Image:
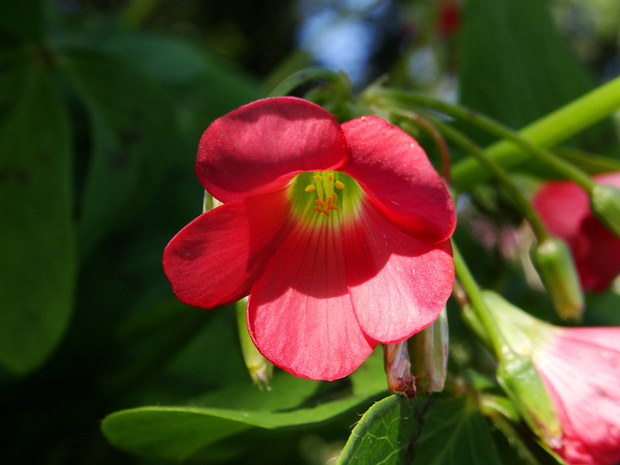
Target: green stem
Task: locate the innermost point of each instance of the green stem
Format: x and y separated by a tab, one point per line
305	75
517	196
465	179
469	284
444	153
553	128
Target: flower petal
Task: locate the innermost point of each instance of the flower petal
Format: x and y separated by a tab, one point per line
598	257
216	258
582	373
398	284
299	312
562	206
398	178
259	147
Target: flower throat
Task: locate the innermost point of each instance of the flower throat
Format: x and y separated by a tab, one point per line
323	185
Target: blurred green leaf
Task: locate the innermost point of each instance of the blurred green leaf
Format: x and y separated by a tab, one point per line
514	65
397	431
21	20
164	58
37	234
178	433
134	141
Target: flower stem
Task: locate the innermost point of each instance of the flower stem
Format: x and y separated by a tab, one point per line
595	106
431	128
469	284
306	75
517	196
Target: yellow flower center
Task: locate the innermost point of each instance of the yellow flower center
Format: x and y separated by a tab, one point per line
323	185
329	192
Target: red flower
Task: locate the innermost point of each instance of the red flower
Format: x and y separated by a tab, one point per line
338	233
581	370
565	209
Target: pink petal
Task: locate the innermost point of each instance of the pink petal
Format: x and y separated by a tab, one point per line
582	373
216	258
562	207
399	179
259	147
299	313
398	284
565	209
598	256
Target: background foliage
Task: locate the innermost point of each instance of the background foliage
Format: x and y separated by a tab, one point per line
102	103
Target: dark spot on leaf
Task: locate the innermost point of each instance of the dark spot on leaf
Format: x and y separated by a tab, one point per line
12	174
418	415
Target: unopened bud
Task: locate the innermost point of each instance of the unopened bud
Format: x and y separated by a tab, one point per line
398	369
428	352
259	367
557	271
605	203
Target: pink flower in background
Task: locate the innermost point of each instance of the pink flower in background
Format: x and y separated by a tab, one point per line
581	370
338	233
565	209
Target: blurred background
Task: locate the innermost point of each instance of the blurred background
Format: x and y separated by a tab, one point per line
102	104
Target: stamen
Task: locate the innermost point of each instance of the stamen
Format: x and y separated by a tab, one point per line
322	185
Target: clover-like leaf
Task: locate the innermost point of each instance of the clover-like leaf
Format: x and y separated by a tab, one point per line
397	431
178	433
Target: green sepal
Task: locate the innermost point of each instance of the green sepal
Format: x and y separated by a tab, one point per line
605	203
260	369
428	352
519	378
516	373
557	270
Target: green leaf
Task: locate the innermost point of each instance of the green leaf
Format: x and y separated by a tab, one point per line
37	234
165	58
134	141
514	65
178	433
422	431
21	20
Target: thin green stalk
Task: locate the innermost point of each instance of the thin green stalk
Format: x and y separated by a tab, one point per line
469	284
444	153
517	196
305	75
463	180
553	128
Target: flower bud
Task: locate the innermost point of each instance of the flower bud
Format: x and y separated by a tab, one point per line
605	202
556	269
428	352
398	369
516	372
259	367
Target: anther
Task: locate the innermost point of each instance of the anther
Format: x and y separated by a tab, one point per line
310	188
318	177
339	185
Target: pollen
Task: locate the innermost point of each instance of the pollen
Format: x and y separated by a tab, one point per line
323	184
